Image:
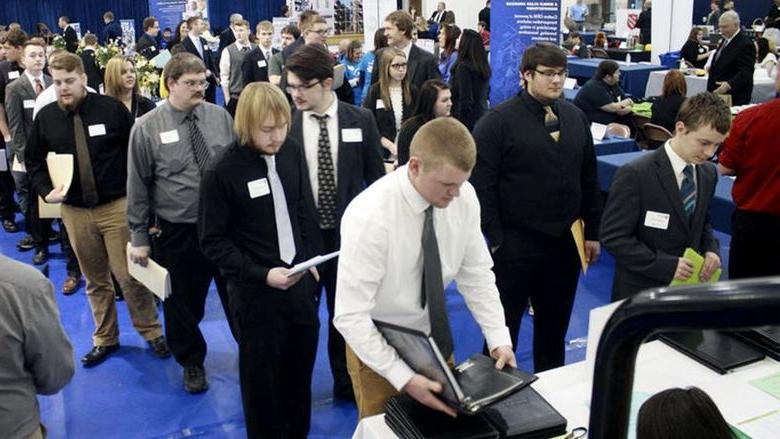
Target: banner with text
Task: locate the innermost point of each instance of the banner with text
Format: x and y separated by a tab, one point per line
170	12
515	25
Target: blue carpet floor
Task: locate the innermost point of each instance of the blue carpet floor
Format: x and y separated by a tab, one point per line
136	395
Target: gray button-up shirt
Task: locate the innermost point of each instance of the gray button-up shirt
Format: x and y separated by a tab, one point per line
163	178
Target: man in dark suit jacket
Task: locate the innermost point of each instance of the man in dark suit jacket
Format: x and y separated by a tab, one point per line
69	34
113	30
731	71
91	69
659	203
341	149
147	44
645	23
255	65
420	65
197	45
439	14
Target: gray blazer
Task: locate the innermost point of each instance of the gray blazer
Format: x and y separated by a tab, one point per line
20	119
646	257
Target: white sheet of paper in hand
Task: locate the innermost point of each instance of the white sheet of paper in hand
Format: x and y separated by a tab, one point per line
161	59
305	265
154	276
61	174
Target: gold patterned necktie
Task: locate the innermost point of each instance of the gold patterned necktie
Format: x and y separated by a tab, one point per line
551	123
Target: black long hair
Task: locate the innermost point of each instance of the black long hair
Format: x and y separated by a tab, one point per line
471	53
763	48
426	99
681	414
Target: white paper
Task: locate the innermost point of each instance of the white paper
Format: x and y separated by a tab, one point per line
338	76
3	161
28	103
766	425
17	166
61	174
154	276
305	265
261	64
570	83
161	59
352	134
97	130
598	131
169	137
380	104
258	188
657	220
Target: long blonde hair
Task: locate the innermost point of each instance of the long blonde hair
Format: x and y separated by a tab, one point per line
113	77
388	53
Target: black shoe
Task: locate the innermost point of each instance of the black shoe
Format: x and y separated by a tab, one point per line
26	243
195	379
98	354
41	256
54	236
160	347
10	226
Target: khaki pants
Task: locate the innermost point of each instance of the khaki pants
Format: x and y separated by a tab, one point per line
99	237
40	433
371	390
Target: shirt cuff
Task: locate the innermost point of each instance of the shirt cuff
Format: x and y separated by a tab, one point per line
400	374
139	239
498	337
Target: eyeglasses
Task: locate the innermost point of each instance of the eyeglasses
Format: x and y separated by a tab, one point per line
563	74
321	31
293	88
195	84
399	66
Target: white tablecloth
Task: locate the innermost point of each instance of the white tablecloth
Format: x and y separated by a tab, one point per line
763	89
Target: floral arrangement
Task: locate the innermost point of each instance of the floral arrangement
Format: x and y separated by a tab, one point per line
146	74
105	53
59	42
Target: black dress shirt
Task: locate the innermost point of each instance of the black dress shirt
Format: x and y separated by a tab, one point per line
690	52
665	111
238	232
526	180
93	72
107	126
469	94
595	94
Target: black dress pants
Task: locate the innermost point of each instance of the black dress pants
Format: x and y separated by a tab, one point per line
754	244
337	353
177	249
277	346
545	269
8	207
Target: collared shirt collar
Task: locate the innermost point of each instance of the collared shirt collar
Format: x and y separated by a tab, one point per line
728	40
33	78
678	164
241	46
407	50
410	194
178	115
332	111
533	104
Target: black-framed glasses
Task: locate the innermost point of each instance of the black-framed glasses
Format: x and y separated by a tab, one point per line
399	66
563	74
293	88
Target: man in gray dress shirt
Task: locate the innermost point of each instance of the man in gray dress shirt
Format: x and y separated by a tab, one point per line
37	357
169	148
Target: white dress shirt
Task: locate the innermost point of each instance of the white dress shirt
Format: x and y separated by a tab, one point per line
32	79
311	141
198	45
678	164
380	269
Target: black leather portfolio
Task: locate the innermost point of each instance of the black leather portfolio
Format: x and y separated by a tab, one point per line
719	351
525	415
470	386
765	338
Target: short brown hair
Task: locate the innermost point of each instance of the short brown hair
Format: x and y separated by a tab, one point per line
192	20
674	84
37	42
705	109
442	141
16	37
542	54
258	102
182	63
403	21
108	15
694	33
149	23
90	39
306	16
310	62
68	62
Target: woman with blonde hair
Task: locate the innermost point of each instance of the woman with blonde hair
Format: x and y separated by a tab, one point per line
120	82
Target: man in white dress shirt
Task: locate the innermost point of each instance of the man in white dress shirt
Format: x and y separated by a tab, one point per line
381	265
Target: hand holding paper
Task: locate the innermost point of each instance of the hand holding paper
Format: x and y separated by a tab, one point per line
57	195
711	263
282	278
692	264
153	276
313	262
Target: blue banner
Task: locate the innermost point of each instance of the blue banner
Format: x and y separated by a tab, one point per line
515	25
168	12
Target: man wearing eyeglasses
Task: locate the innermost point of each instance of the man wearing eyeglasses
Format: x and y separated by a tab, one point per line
169	150
342	152
536	175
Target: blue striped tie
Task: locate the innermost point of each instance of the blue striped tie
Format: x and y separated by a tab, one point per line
688	191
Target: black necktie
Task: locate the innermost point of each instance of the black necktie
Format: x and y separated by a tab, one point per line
433	288
326	194
199	148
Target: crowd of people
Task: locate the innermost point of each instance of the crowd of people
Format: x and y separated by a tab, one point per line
296	164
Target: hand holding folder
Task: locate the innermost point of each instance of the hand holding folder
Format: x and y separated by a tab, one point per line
154	276
698	263
61	174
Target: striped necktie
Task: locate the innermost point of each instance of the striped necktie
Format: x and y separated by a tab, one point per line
688	191
198	143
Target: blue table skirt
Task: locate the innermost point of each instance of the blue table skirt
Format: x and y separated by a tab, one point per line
615	145
633	77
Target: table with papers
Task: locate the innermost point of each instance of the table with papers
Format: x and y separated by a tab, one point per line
615	145
633	77
763	89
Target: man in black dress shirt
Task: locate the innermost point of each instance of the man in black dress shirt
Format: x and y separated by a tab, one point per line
601	98
147	44
256	220
536	175
69	34
94	129
92	70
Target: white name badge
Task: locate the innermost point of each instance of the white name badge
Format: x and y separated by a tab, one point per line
657	220
380	104
97	130
13	75
169	136
28	103
352	135
152	48
258	188
261	64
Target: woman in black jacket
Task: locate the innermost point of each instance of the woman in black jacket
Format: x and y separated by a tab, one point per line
391	98
666	106
470	80
434	100
693	51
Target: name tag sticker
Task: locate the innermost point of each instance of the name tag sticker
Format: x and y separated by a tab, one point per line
28	103
169	136
380	104
261	64
258	188
352	135
97	130
657	220
13	75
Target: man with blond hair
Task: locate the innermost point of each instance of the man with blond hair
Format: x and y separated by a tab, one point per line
391	269
256	63
255	223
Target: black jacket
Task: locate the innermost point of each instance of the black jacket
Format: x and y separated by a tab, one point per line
469	94
690	52
385	117
71	39
255	67
147	46
734	65
91	69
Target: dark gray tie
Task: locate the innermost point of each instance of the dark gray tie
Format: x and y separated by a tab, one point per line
199	148
326	178
433	287
86	176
